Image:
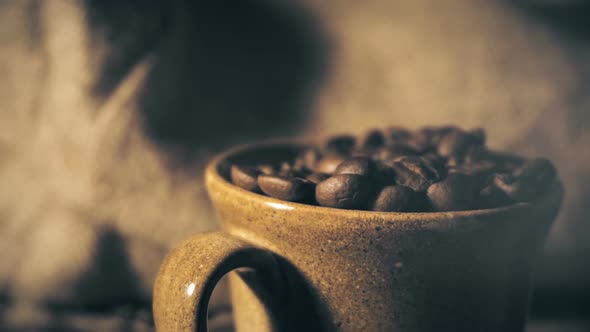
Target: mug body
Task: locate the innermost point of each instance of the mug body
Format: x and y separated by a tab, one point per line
347	270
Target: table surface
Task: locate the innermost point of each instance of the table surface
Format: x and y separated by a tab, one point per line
220	322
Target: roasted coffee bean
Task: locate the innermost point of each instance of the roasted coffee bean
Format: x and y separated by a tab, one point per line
506	161
285	167
396	134
434	134
374	138
365	152
436	162
492	197
440	168
454	145
286	188
385	174
357	165
266	169
538	173
298	165
514	188
415	172
476	153
286	170
394	151
344	191
341	144
480	171
456	192
397	199
224	169
329	163
309	157
503	179
424	137
245	177
528	181
317	177
419	144
295	169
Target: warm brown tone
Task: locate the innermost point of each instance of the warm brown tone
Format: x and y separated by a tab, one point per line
316	268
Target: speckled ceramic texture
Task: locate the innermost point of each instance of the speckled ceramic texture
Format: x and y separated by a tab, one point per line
314	268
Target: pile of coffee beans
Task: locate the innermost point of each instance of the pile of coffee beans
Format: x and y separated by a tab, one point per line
395	169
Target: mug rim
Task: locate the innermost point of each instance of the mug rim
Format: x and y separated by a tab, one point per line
212	174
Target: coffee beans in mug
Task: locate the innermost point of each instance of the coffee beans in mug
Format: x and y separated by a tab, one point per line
344	191
286	188
317	177
329	163
245	177
457	192
415	172
266	169
357	165
398	199
399	170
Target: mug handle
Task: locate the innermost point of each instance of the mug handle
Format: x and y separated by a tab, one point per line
190	272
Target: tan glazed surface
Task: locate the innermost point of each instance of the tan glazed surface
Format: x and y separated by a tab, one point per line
313	268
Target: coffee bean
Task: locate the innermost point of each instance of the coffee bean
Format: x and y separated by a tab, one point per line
385	154
357	165
341	144
503	179
394	151
480	171
245	177
385	174
344	191
475	154
515	189
266	169
415	172
396	134
286	170
397	199
436	163
504	161
528	181
329	163
434	134
424	137
538	173
456	192
374	138
285	167
419	144
439	168
492	197
454	145
224	169
317	177
309	157
286	188
365	152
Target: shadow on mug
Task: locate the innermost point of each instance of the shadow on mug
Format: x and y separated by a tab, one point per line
293	305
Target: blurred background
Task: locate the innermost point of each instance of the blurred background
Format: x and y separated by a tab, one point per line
109	111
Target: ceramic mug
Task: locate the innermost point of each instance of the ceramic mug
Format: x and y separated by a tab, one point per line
309	268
